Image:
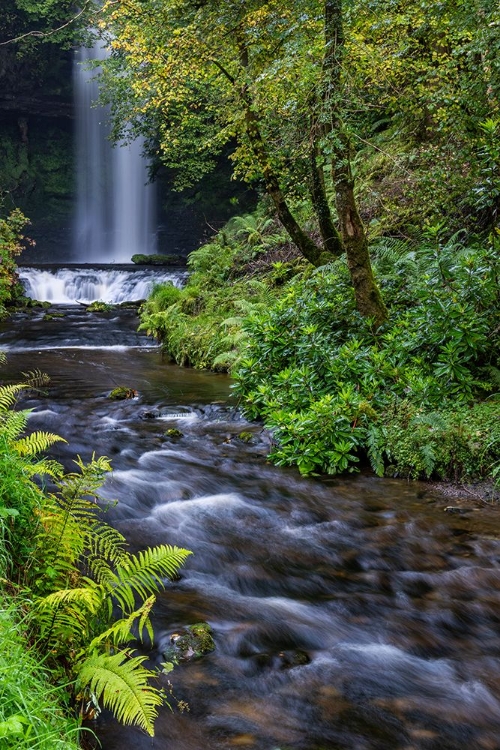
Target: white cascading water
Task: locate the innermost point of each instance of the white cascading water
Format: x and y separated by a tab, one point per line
65	286
115	214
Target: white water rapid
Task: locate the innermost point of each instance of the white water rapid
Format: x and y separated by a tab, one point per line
115	213
65	286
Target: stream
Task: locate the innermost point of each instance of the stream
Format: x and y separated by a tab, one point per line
348	613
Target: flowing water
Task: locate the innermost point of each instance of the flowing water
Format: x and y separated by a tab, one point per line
115	211
66	285
348	614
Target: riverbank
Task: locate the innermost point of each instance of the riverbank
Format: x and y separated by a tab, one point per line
416	398
33	711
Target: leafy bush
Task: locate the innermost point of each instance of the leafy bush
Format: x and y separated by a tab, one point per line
11	238
333	391
201	324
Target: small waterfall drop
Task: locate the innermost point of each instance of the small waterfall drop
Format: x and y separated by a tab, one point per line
115	213
63	286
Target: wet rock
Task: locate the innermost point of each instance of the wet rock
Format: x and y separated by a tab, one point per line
122	392
156	260
173	433
150	414
283	660
99	306
52	316
190	643
295	658
245	437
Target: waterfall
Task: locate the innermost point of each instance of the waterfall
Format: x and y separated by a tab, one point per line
115	213
66	286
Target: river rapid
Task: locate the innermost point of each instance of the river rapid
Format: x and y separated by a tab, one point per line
348	613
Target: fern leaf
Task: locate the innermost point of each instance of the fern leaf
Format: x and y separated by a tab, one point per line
65	616
8	395
121	683
144	573
35	379
12	424
121	630
35	443
45	467
106	543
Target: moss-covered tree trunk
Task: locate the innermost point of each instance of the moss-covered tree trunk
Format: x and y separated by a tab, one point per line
330	237
304	243
369	300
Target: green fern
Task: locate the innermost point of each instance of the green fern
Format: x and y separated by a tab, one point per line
122	684
143	574
121	630
36	443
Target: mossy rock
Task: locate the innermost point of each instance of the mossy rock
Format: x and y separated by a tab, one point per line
190	643
156	260
245	437
173	432
52	316
40	303
99	306
121	393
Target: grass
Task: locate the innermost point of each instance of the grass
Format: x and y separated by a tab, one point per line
31	708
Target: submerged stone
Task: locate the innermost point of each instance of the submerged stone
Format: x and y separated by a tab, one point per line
122	392
173	433
190	643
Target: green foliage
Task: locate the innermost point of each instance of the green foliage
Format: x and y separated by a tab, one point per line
19	463
201	324
92	616
31	709
11	238
454	443
99	306
89	596
122	682
333	392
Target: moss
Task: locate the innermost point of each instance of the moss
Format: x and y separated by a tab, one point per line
99	306
156	260
191	642
122	392
173	433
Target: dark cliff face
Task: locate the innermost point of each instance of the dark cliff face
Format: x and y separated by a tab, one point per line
36	111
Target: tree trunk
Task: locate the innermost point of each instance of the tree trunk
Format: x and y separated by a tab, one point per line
330	236
369	301
304	243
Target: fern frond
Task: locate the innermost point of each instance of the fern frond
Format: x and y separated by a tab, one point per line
45	467
9	393
121	683
144	573
66	615
36	443
12	424
35	379
121	630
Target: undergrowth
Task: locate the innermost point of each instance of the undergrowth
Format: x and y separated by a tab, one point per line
417	398
31	708
241	271
86	600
